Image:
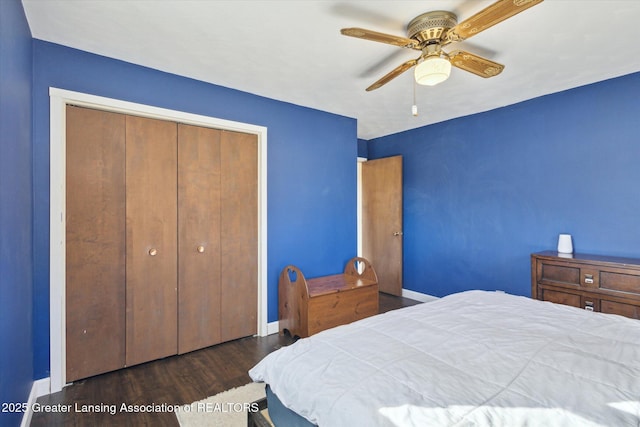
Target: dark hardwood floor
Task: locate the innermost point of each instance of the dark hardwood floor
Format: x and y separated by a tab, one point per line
175	380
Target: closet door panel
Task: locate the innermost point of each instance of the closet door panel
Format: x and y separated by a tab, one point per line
198	237
95	242
151	172
239	234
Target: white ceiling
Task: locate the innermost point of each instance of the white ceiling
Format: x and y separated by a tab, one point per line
293	51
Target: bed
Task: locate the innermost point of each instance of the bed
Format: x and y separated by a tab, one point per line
475	358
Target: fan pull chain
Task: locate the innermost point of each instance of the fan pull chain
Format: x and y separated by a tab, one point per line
414	107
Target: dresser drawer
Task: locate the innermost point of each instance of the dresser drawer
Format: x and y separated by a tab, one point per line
571	275
619	281
568	275
560	297
627	310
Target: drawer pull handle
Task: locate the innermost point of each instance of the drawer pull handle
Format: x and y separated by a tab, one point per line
153	252
588	305
588	278
200	249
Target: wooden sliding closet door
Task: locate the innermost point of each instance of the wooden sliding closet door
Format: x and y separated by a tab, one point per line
239	234
198	237
151	171
95	242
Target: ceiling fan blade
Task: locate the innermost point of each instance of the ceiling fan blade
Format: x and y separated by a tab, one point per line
488	17
475	64
393	74
375	36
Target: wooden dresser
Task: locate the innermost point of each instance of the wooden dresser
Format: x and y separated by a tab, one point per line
593	282
309	306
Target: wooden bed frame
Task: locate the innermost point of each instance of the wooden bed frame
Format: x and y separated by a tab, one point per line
257	419
310	306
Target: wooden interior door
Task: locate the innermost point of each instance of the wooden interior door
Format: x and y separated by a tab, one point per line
382	220
95	242
151	171
239	234
198	237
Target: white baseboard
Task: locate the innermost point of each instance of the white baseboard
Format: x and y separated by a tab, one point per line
418	296
273	327
39	388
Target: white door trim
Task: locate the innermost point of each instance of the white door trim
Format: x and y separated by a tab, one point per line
58	99
360	160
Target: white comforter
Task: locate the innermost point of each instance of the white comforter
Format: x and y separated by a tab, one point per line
470	359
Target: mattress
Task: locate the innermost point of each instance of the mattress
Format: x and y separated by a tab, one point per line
470	359
280	415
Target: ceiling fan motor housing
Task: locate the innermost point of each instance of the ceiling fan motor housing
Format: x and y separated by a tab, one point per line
430	26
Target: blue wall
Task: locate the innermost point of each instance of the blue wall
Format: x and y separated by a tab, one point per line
482	192
311	165
16	261
363	148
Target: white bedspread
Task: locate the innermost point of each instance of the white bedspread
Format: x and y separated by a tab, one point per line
470	359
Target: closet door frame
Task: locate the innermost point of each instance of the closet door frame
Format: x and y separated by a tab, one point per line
58	100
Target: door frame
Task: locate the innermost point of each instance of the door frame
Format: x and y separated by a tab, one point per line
360	160
58	100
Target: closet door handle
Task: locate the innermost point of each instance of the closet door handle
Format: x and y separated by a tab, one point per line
200	249
153	252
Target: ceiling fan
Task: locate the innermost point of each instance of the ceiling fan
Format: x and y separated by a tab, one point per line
431	31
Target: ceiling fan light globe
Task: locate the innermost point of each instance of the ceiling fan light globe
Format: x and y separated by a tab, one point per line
432	70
